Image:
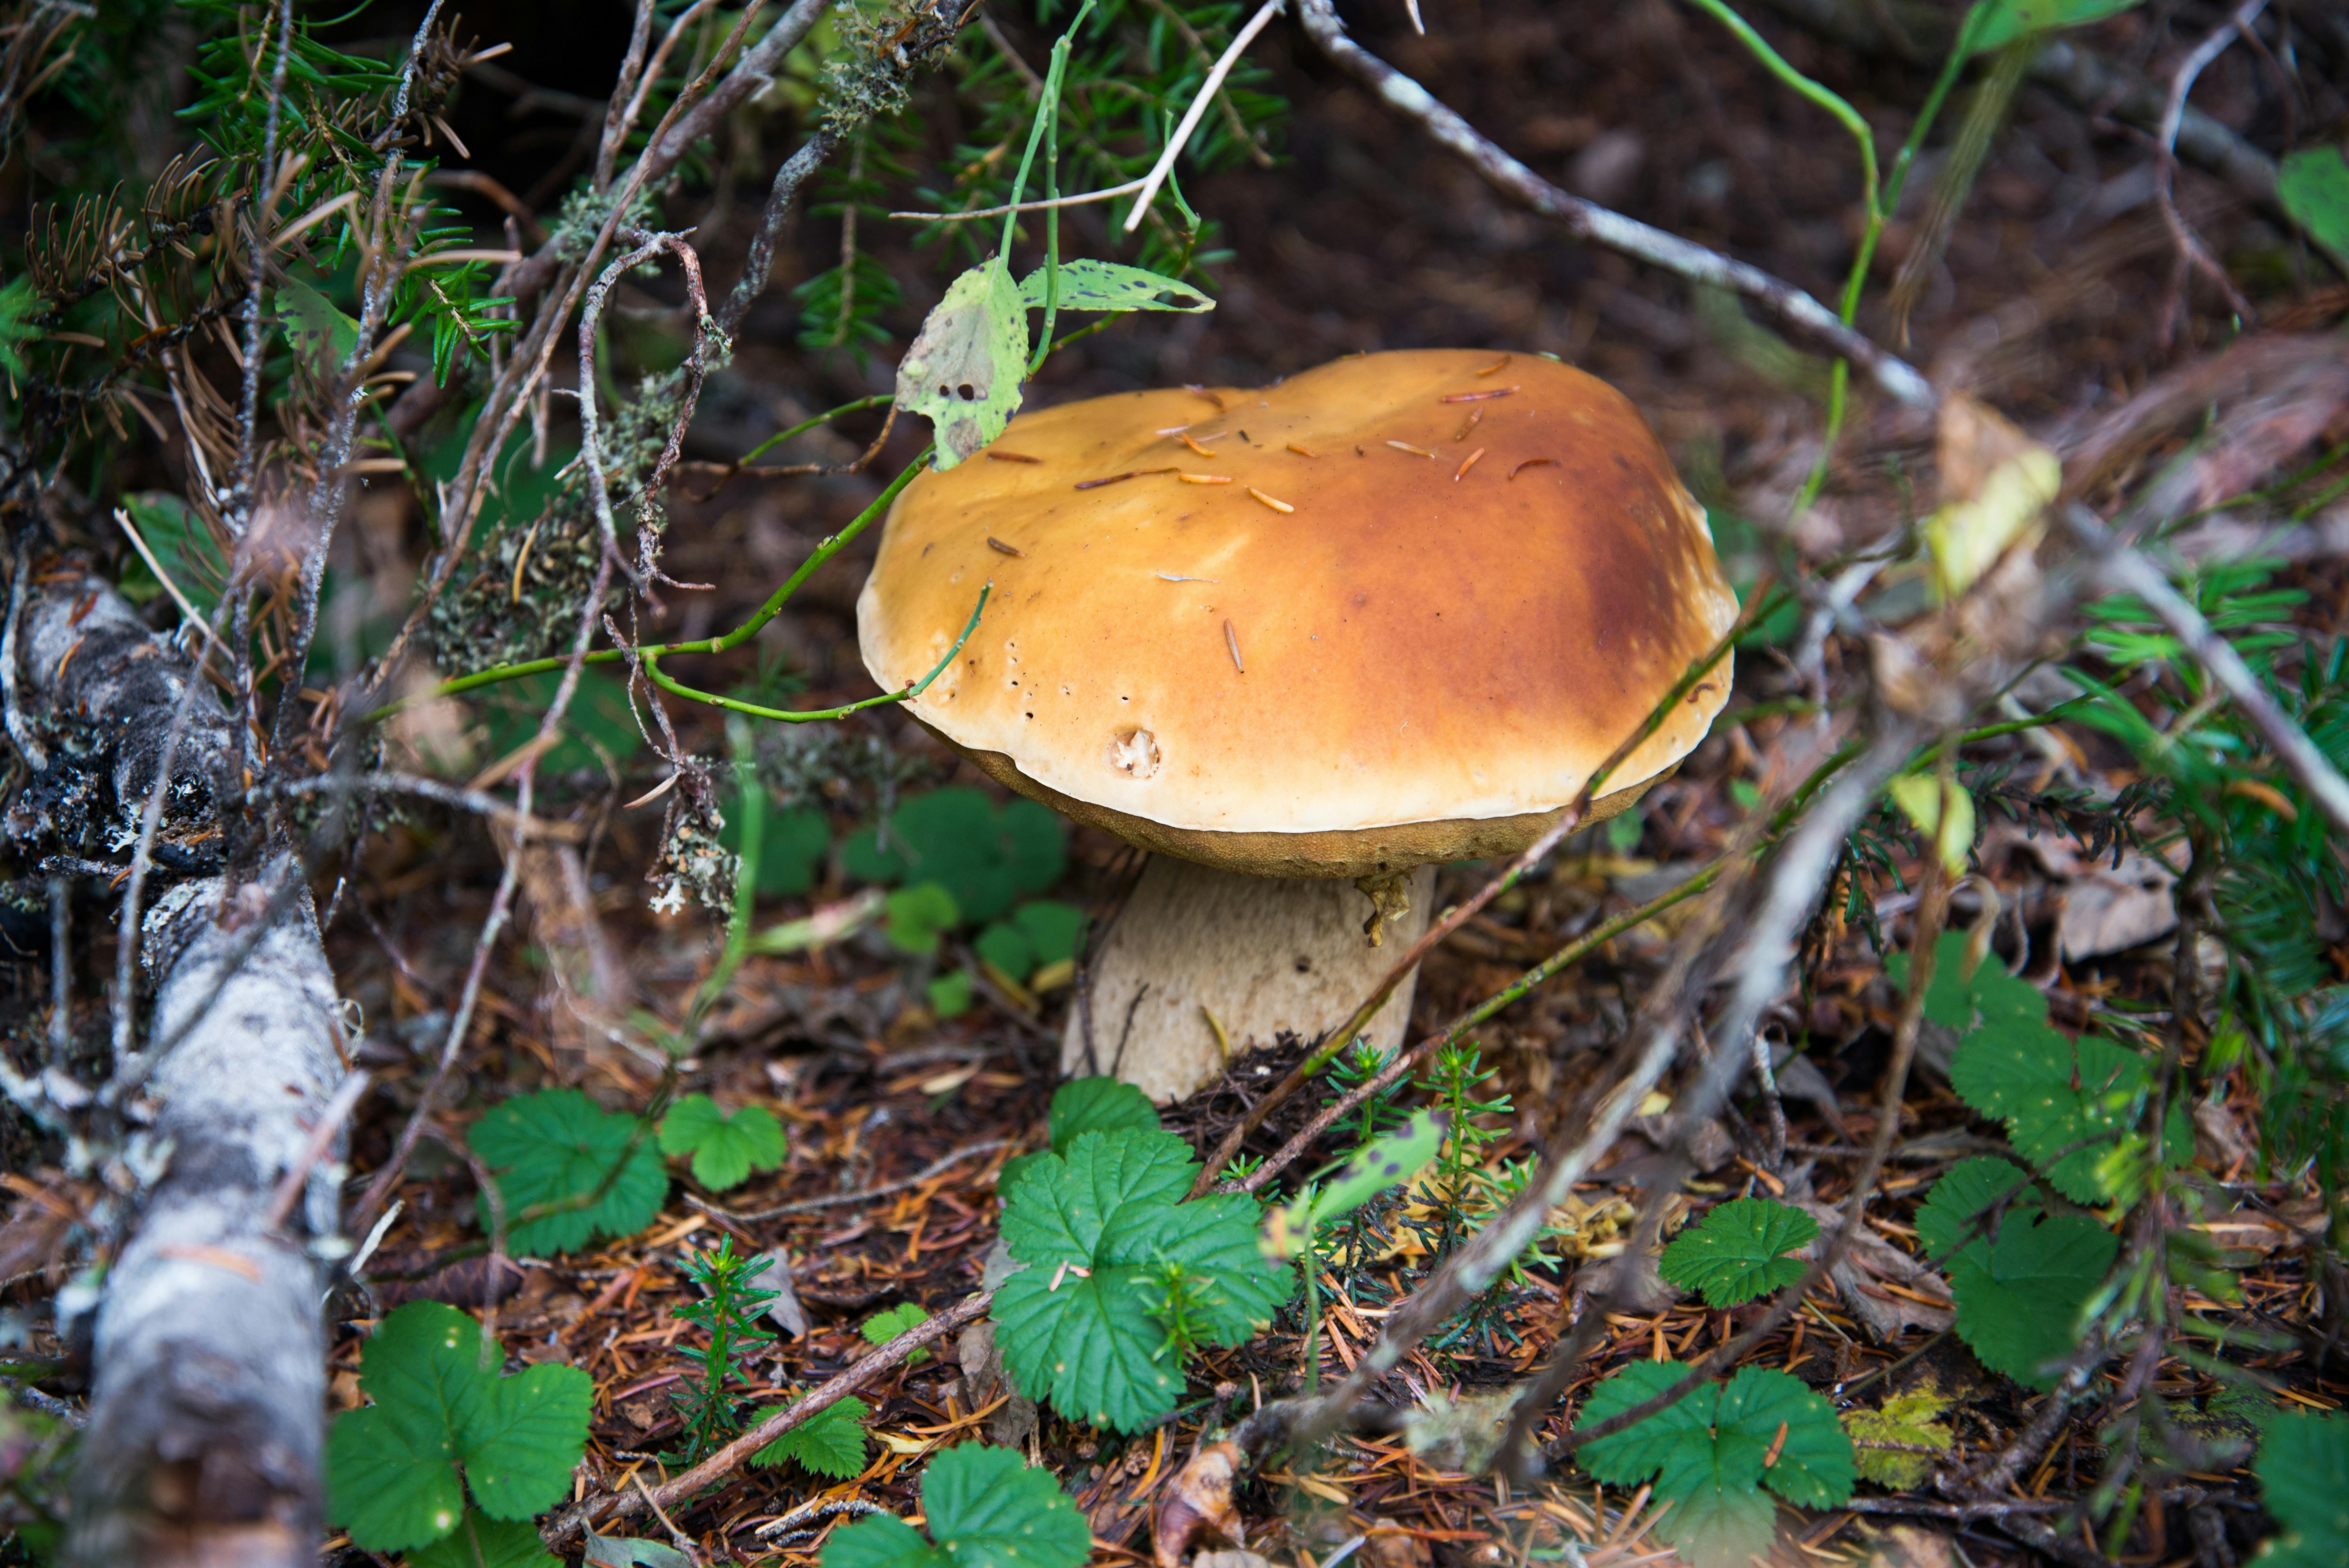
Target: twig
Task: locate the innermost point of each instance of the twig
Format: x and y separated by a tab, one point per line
1192	116
814	1402
1570	818
808	1205
322	1136
1587	220
2191	252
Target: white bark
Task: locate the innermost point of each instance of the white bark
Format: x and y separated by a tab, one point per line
206	1422
1260	955
207	1411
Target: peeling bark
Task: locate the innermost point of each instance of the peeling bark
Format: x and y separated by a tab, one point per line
207	1413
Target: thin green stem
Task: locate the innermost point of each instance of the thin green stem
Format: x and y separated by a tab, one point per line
719	644
782	716
1825	97
878	400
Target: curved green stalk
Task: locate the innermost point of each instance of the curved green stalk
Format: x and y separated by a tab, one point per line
719	644
652	657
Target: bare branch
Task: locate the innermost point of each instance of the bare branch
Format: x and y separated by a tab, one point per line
1587	220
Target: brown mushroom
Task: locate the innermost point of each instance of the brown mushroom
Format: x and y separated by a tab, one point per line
1298	640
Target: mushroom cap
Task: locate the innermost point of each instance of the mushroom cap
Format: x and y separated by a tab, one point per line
1412	640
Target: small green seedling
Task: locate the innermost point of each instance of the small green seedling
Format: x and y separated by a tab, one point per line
884	1326
984	1509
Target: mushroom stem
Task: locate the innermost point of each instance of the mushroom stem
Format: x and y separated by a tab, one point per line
1200	958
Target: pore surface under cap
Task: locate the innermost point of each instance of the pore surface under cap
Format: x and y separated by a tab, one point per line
1405	646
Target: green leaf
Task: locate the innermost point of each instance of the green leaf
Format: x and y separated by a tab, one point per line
1088	284
1711	1453
1383	1162
1964	1193
1914	1418
2056	1094
1052	929
319	332
1093	1227
614	1552
725	1149
524	1438
1085	1105
2303	1470
2019	1297
2314	186
963	371
391	1467
554	1147
829	1443
1098	1105
483	1542
184	545
18	304
2001	22
791	848
919	917
950	994
1737	1251
884	1326
986	856
985	1509
1007	947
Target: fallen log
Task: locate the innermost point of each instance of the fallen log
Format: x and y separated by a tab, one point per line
207	1407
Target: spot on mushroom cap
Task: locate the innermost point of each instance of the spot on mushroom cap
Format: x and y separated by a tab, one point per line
1433	664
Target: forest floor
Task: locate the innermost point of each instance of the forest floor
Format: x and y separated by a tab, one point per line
2051	303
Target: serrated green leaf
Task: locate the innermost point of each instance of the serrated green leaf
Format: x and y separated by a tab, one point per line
829	1443
522	1440
2303	1470
985	1509
1636	1452
1098	1105
1813	1468
725	1148
884	1326
1737	1251
963	371
391	1467
1964	1193
1085	1105
882	1540
1711	1454
1913	1419
483	1542
2055	1094
2019	1298
1383	1162
1088	284
1075	1326
392	1484
554	1147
